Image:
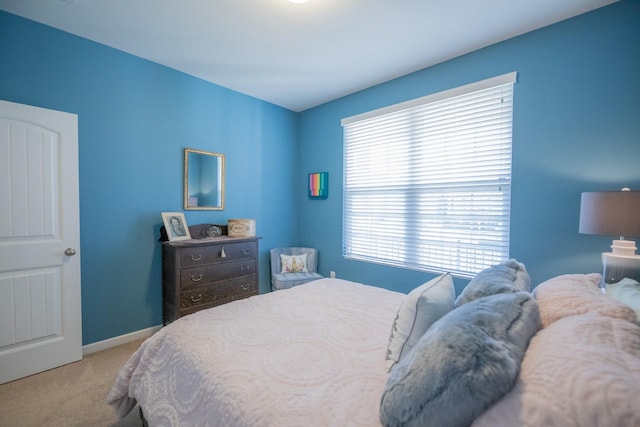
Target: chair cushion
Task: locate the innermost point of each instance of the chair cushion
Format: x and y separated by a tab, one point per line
289	280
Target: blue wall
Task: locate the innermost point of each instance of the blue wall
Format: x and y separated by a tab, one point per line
576	128
135	118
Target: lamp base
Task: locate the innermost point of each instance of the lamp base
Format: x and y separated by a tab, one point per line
617	267
623	247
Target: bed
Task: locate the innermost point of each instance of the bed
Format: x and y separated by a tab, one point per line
338	353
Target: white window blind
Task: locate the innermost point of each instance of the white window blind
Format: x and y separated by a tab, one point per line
427	183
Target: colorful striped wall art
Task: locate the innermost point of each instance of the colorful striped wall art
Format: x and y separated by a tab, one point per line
319	185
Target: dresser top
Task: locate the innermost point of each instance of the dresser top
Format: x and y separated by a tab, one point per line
210	240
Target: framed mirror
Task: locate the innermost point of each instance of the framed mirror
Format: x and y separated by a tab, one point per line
203	180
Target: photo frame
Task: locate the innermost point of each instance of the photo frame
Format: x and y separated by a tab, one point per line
319	185
176	226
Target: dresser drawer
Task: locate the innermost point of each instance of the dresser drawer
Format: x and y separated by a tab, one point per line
218	293
220	252
196	276
202	274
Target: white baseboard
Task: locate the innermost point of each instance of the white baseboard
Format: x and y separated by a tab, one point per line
122	339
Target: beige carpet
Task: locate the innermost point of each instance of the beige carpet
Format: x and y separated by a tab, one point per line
74	395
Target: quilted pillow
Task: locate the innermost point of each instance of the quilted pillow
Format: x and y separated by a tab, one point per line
506	277
419	310
465	362
293	263
582	370
573	294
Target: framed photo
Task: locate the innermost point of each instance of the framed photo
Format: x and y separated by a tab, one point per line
319	185
176	226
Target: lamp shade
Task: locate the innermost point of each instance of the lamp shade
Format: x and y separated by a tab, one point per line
613	213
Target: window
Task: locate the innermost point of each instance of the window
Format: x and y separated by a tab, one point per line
427	183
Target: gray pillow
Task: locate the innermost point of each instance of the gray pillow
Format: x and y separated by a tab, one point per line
464	363
506	277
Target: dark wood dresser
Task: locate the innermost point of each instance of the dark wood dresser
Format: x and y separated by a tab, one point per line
199	274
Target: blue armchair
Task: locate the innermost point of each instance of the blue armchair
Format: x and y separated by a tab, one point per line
280	280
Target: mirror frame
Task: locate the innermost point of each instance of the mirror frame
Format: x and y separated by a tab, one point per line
221	187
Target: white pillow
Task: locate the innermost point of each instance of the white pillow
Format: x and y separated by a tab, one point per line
419	310
293	263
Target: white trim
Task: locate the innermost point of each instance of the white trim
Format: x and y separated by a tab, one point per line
449	93
122	339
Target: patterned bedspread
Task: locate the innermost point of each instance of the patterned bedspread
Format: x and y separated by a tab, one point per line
310	355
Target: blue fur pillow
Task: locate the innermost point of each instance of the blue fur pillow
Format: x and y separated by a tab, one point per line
508	276
464	363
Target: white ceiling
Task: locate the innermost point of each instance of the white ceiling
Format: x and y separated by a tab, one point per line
298	55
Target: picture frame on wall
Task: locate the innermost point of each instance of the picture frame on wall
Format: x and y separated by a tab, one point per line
176	226
319	185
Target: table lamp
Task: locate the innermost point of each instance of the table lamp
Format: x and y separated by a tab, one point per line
614	213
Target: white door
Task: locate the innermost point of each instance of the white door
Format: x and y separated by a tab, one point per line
40	312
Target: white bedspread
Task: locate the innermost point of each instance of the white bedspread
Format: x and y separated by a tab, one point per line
310	355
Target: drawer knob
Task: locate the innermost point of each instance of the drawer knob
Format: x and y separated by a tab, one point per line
246	286
194	299
197	257
222	254
196	278
246	252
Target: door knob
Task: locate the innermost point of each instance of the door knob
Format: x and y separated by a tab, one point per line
70	252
